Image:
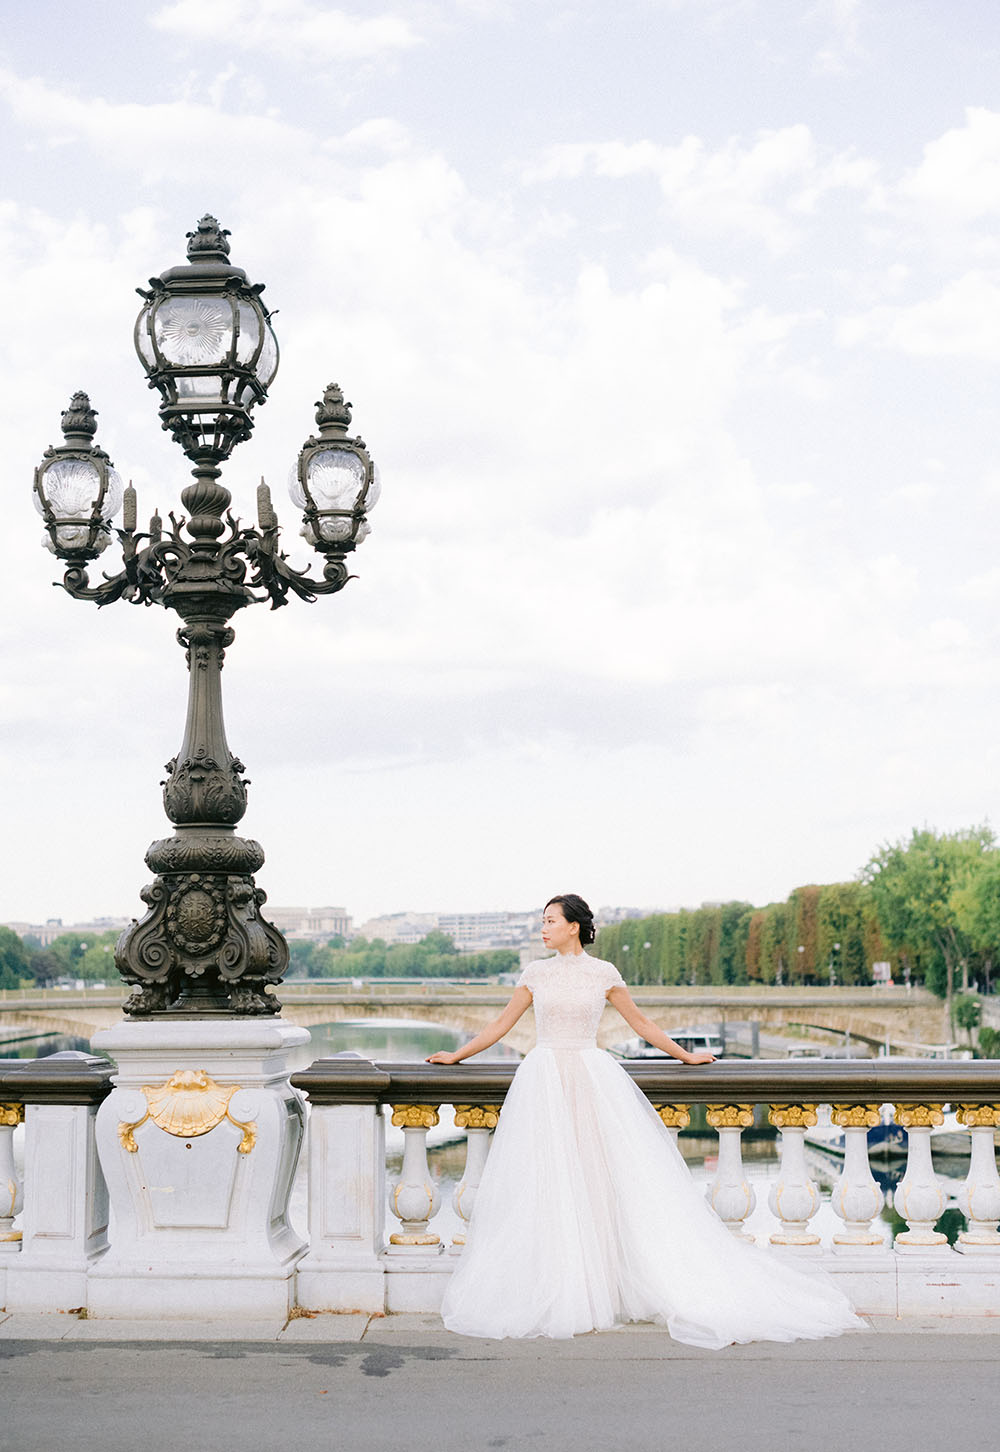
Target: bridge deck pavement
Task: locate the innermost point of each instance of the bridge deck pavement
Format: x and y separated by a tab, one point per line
404	1384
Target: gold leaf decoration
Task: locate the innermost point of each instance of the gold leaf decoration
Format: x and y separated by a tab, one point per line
476	1116
729	1116
415	1116
855	1116
674	1116
919	1116
189	1104
126	1133
11	1114
792	1116
978	1116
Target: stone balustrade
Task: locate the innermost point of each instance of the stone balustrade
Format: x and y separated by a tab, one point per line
379	1248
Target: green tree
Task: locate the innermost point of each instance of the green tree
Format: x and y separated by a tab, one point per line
44	967
967	1013
916	886
989	1043
977	908
14	959
438	942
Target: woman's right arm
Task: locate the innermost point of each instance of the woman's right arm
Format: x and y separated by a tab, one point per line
520	1001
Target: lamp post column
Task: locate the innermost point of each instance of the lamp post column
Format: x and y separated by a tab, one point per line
199	1139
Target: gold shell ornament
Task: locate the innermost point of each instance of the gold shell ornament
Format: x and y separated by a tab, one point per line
189	1104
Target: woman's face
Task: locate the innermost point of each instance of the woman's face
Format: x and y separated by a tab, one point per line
556	931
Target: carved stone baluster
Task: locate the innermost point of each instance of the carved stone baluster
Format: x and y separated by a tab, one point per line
980	1195
730	1194
675	1116
793	1197
414	1198
479	1121
11	1115
856	1197
918	1197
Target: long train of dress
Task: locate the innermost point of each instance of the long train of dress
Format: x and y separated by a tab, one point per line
587	1215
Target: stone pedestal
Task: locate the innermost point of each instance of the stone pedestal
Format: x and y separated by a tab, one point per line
199	1142
343	1270
65	1218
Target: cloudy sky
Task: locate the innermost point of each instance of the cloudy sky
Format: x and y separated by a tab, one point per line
674	326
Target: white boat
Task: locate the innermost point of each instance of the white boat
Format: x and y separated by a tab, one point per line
694	1040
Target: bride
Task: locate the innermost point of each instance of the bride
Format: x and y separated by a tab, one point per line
587	1215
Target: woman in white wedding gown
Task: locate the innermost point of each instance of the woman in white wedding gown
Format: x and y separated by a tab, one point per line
587	1215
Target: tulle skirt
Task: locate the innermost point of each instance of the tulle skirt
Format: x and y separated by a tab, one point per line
587	1216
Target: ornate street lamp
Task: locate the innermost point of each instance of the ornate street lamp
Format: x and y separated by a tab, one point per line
205	339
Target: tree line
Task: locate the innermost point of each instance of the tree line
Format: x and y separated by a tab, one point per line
24	963
434	956
929	905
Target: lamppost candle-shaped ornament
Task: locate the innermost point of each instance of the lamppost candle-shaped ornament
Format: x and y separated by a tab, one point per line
203	947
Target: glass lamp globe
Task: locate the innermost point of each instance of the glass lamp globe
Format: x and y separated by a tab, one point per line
205	339
334	480
77	489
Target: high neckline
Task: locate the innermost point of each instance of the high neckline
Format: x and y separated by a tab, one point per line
582	954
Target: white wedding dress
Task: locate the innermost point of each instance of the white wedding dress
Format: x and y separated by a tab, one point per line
587	1215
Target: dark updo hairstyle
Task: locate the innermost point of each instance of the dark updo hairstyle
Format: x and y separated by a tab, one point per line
575	910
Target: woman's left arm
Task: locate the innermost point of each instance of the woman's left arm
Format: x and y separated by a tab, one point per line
620	998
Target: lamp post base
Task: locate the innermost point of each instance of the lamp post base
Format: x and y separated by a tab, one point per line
199	1143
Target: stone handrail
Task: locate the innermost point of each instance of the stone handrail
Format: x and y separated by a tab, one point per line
754	1081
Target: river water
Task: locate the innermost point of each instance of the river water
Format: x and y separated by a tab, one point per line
402	1041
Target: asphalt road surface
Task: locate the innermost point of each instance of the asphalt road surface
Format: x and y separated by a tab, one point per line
405	1385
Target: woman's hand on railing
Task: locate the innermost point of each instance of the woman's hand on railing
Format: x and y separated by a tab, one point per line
699	1058
443	1057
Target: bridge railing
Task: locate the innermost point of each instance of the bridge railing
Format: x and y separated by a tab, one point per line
62	1203
357	1258
380	1248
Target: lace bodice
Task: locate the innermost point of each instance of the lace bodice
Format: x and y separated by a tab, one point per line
569	993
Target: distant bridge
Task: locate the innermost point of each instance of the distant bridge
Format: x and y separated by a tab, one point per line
902	1017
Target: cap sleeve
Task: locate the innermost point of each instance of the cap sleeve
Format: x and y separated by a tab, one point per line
529	977
613	979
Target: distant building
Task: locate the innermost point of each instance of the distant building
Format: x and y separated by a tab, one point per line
47	932
306	922
399	927
605	916
470	932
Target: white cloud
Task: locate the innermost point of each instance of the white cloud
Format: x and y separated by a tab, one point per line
843	47
762	189
132	135
963	320
958	180
289	29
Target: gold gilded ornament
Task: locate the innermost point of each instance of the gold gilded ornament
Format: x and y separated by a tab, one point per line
11	1114
854	1116
674	1116
415	1116
919	1116
189	1104
476	1116
729	1116
979	1116
792	1116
